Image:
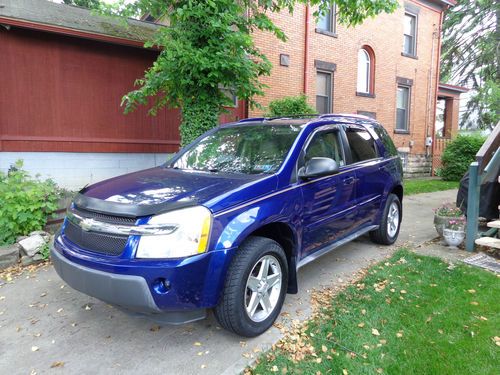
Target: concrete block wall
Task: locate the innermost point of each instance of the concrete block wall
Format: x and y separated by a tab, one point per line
418	165
72	170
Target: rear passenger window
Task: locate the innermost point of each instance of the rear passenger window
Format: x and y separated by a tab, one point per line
362	145
386	141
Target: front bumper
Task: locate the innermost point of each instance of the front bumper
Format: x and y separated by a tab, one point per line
132	284
128	292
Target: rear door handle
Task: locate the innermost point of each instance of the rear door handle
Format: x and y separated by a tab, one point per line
348	181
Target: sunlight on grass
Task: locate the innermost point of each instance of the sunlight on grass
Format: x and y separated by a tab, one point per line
409	315
417	186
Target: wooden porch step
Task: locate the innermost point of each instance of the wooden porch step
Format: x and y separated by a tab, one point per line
494	224
489	242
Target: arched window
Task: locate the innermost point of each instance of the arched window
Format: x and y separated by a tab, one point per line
365	71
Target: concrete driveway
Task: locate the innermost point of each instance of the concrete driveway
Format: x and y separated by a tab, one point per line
44	323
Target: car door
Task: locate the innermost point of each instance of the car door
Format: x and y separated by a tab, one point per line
328	202
365	160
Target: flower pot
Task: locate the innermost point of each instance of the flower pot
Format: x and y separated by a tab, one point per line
441	222
453	237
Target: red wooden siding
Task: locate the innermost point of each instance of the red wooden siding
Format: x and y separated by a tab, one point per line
60	93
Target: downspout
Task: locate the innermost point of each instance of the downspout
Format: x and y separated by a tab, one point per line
438	61
306	51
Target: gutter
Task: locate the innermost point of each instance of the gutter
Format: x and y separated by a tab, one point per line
438	64
306	51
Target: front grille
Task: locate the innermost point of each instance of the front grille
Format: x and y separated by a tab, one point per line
96	242
103	217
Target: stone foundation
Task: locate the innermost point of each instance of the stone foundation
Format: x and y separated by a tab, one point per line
416	165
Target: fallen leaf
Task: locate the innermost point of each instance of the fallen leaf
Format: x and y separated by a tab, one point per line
324	349
203	366
197	343
483	318
60	310
440	331
2	298
399	334
428	319
474	303
57	364
361	325
472	291
403	291
43	294
379	370
274	368
155	328
363	312
375	332
383	342
345	372
34	348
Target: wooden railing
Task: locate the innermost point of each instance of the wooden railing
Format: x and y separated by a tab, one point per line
484	169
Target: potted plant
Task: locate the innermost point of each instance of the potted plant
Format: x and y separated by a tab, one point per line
444	214
454	232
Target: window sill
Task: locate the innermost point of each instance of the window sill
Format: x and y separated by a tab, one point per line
409	55
365	94
401	131
326	32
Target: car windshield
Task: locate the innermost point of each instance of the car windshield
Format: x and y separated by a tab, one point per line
244	149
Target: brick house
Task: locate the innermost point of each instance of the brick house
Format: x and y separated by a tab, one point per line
387	68
64	71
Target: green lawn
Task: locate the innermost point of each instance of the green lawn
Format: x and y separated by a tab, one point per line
416	186
409	315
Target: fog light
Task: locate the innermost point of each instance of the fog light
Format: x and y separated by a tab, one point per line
161	286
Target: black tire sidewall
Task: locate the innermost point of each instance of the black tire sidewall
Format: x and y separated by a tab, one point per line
247	326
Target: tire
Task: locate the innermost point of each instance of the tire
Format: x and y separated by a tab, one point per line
388	231
243	291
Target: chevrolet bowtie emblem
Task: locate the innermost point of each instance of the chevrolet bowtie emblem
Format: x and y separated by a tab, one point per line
87	224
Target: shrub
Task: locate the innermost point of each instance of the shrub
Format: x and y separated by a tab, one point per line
289	106
25	203
458	155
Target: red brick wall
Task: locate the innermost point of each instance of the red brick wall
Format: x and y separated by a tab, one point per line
384	35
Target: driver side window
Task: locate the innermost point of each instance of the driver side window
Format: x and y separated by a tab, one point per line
325	145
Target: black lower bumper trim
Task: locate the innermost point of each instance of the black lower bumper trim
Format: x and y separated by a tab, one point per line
129	292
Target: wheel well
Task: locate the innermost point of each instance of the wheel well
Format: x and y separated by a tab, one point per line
398	190
282	234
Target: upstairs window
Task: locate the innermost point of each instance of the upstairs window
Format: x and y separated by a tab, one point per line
366	71
327	22
410	34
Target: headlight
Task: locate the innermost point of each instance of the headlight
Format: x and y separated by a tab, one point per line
190	236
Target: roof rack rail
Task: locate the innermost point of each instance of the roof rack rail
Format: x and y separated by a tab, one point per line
305	115
352	115
250	119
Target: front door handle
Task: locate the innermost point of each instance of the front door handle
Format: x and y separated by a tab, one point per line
348	181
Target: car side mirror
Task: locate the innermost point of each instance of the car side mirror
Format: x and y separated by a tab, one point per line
318	167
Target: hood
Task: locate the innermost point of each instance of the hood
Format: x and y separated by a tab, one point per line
160	189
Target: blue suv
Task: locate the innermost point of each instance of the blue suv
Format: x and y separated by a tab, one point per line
229	220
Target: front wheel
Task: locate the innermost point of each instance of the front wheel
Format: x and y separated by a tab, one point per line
255	288
388	231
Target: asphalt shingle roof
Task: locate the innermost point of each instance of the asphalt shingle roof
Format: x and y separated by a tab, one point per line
71	17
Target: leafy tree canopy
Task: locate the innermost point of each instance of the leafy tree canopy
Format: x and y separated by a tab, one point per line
90	4
208	45
471	57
